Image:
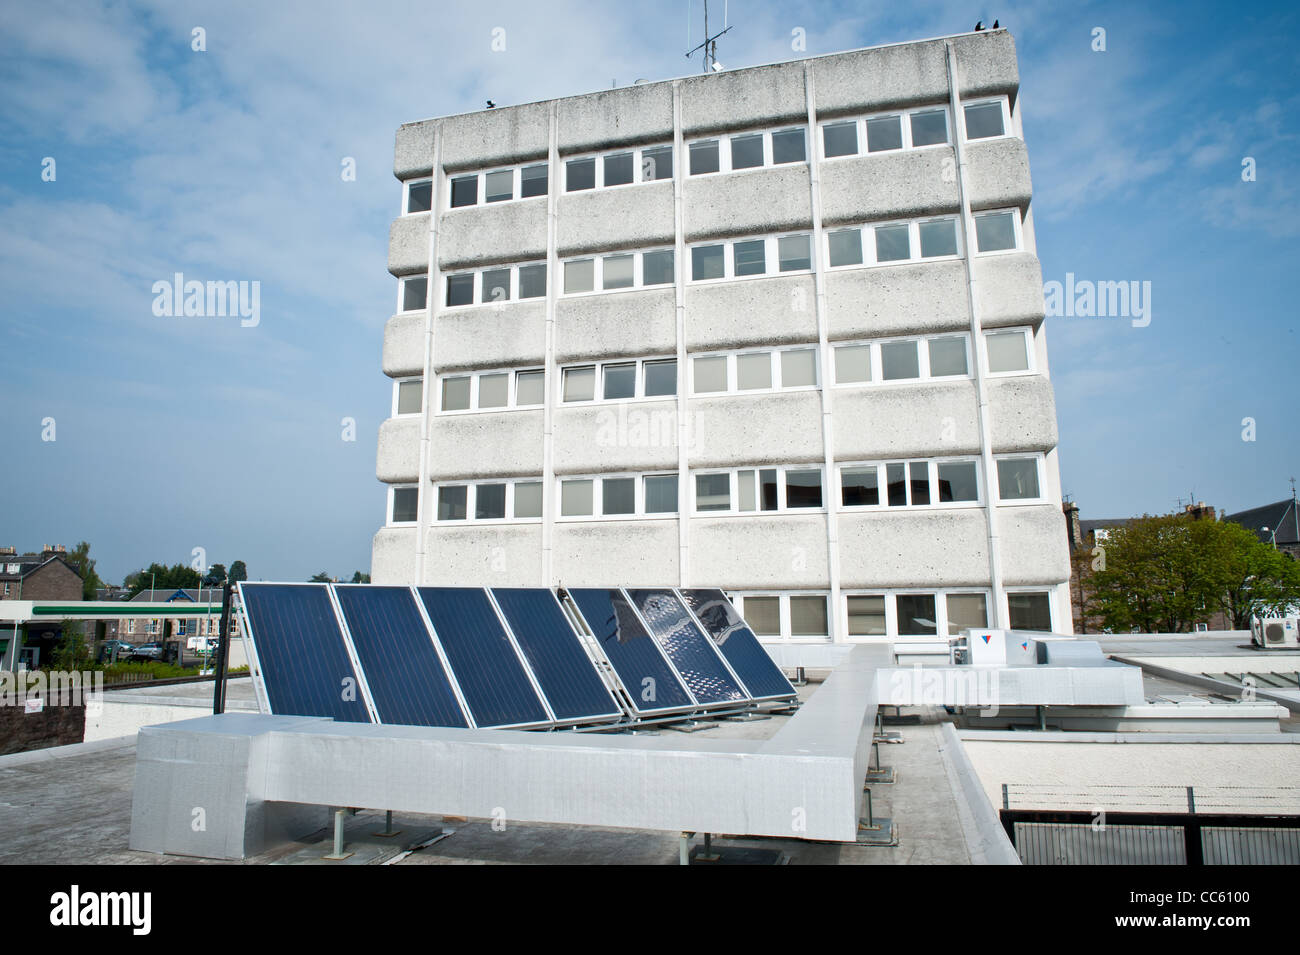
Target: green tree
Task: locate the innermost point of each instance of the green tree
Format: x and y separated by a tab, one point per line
359	578
1257	578
321	578
162	579
238	572
216	576
80	560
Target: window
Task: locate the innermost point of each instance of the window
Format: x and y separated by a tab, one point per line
1018	479
759	489
1030	611
748	150
845	247
958	481
947	356
490	501
419	196
499	186
916	615
791	253
409	396
618	169
808	616
755	371
618	496
967	612
618	380
867	616
622	270
899	360
909	484
452	502
938	237
534	181
704	157
763	614
840	139
1007	351
892	243
501	283
579	174
464	191
984	120
656	163
995	231
886	132
415	293
852	364
488	390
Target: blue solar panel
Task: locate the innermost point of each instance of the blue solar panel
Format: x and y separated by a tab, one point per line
407	680
737	642
556	655
304	662
483	659
633	653
691	652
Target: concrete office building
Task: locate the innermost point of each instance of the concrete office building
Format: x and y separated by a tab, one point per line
778	330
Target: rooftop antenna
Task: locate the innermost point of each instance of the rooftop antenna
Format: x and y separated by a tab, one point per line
710	44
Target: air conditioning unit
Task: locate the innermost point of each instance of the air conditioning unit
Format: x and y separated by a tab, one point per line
1275	633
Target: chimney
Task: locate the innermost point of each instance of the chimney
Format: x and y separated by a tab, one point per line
1073	529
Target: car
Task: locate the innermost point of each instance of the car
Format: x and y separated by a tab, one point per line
148	651
122	649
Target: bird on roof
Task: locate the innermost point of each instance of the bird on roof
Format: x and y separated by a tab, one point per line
979	25
491	105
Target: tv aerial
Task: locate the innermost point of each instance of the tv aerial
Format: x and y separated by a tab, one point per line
710	44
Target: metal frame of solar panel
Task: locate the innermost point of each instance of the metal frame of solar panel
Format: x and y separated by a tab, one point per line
619	628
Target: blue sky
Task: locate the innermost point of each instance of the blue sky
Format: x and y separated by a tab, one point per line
174	433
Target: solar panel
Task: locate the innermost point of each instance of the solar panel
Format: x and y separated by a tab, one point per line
762	678
692	653
487	668
651	683
555	653
301	654
406	677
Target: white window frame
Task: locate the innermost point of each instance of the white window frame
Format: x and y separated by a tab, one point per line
597	497
1037	458
860	123
477	300
392	488
932	473
598	271
406	194
598	392
783	604
891	594
723	140
1007	131
480	187
397	388
1016	224
733	509
638	167
923	360
512	391
771	260
776	373
1051	604
1028	335
401	294
471	502
869	260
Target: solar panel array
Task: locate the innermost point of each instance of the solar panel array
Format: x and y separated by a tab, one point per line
525	658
